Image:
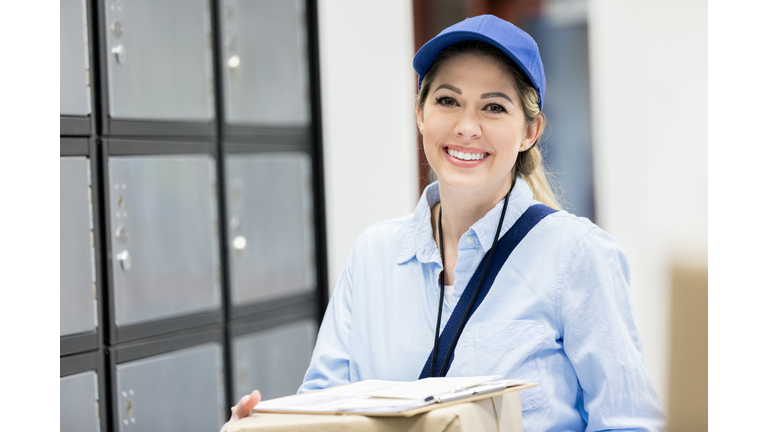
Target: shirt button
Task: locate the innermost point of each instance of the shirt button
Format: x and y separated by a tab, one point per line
470	241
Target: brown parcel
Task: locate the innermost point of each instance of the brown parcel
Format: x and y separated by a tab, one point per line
499	411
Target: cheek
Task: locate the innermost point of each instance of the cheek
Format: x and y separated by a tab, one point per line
435	126
431	138
431	150
428	132
506	137
505	148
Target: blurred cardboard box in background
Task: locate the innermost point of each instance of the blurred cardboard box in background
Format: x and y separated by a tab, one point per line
688	387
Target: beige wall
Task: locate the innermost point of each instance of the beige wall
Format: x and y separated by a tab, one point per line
648	61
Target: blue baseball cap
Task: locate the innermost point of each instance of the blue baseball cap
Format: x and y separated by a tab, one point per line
515	43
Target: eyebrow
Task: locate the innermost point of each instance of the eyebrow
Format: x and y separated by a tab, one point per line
449	87
482	96
496	94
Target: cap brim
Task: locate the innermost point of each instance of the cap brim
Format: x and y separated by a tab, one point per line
429	51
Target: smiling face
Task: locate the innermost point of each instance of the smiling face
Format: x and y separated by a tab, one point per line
473	125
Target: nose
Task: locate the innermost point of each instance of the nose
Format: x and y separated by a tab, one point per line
467	126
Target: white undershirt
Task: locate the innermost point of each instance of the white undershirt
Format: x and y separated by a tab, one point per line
449	294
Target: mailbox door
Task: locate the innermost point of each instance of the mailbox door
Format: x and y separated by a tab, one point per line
77	278
74	73
274	360
265	64
178	391
78	402
164	236
159	61
271	235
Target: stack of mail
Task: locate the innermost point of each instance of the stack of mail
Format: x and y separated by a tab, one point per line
376	396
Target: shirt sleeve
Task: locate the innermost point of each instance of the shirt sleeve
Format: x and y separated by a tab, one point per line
329	366
602	341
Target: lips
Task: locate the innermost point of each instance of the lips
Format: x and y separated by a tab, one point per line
465	157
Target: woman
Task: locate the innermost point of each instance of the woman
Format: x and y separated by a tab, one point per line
554	309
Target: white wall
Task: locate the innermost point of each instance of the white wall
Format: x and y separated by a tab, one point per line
369	135
648	61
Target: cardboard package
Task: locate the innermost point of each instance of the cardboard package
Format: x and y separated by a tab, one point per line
500	411
688	373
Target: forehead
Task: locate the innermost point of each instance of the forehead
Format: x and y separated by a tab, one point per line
475	70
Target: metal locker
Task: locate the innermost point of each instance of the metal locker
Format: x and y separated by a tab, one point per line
78	403
265	62
273	361
77	277
164	236
178	391
74	78
271	234
159	61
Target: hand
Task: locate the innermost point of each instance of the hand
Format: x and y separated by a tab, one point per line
244	407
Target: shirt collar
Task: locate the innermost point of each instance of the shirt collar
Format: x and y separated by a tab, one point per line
420	243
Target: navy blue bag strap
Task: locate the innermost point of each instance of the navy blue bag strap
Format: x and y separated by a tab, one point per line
506	244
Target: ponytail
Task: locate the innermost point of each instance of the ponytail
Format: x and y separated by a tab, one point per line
531	167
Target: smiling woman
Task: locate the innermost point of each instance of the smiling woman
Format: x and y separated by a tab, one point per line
536	293
518	103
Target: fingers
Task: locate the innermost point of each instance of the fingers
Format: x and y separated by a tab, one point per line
245	405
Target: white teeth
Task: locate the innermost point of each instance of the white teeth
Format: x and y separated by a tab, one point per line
465	156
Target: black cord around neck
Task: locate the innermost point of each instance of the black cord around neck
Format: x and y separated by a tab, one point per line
442	291
465	317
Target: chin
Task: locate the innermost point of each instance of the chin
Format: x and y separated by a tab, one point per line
477	184
466	184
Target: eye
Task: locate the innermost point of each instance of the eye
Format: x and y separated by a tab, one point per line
495	108
447	101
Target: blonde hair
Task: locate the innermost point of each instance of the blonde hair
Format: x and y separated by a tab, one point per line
529	163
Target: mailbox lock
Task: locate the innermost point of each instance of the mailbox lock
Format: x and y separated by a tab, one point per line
124	258
234	223
128	405
117	28
122	234
120	55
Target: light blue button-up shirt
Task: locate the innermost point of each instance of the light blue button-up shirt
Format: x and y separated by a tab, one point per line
558	314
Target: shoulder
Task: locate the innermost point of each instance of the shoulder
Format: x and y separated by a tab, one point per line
387	229
589	254
565	226
384	238
577	236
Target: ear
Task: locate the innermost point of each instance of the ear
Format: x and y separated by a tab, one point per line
534	130
420	119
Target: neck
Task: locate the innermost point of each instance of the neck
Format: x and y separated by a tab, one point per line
462	209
